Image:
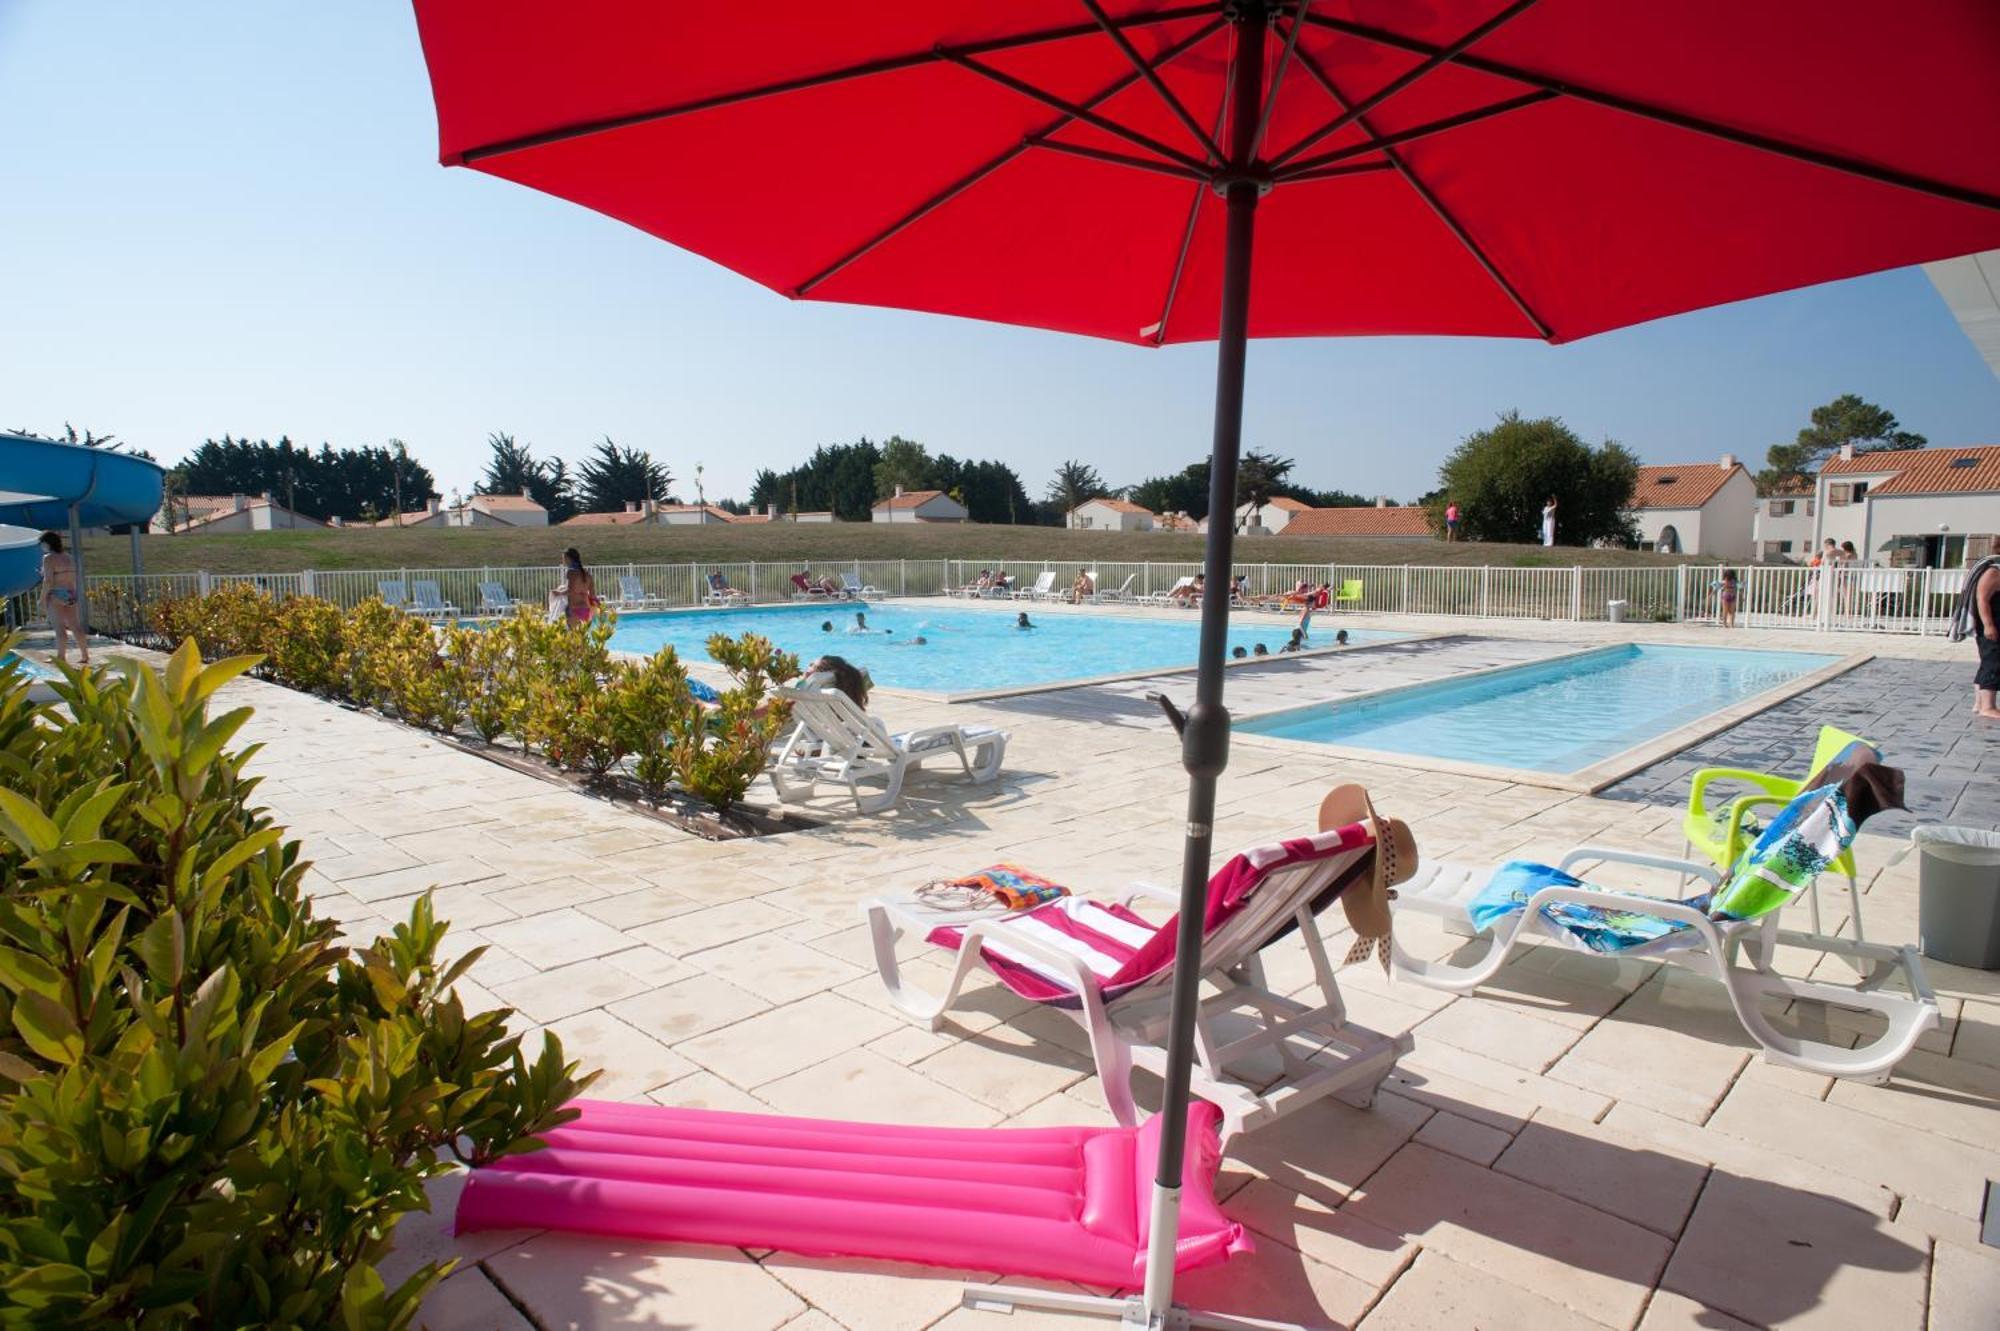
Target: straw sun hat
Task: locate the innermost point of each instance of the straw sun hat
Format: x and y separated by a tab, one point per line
1395	860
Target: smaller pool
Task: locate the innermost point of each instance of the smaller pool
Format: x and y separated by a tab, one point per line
1559	716
32	669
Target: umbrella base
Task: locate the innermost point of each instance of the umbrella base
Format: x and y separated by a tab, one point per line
1129	1312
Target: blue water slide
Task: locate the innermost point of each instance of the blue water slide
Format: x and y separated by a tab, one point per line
42	482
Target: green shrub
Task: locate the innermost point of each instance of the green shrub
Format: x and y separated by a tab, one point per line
302	648
210	1115
652	709
367	654
716	761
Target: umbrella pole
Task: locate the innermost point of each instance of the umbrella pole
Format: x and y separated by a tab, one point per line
1205	738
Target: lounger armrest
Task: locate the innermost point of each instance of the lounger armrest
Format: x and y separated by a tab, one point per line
1005	931
1152	890
1764	781
1581	854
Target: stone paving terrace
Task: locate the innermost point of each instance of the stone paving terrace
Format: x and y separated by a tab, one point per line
1586	1143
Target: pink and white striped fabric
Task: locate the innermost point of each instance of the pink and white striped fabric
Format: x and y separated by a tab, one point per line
1121	949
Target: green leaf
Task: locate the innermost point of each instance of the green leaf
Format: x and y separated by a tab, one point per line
83	822
23	973
243	851
23	823
16	1069
266	1060
48	1028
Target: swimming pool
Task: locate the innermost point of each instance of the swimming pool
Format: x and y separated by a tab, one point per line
964	650
1556	716
32	669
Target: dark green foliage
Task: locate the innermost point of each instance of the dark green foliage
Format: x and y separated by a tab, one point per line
513	468
1845	420
211	1115
349	483
614	476
1502	476
1074	483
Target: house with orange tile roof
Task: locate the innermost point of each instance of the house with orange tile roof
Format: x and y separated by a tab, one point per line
1696	508
1272	516
1918	507
918	506
220	513
1384	522
1107	514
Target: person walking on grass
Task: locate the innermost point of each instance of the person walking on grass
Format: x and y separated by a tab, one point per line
59	598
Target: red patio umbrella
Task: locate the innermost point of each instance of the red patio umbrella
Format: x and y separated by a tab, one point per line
1543	169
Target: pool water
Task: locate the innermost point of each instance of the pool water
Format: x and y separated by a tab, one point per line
1558	716
32	669
964	650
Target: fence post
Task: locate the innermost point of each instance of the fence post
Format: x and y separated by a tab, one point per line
1680	591
1406	589
902	577
1576	593
306	587
202	582
1485	589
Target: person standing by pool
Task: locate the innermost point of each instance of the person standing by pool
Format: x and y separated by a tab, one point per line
1451	521
1549	521
579	589
1305	621
1082	587
59	594
1978	616
1725	598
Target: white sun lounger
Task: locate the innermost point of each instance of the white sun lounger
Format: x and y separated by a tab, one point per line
426	599
855	590
494	599
1167	597
632	595
834	740
1043	586
723	595
1302	1050
1123	592
393	592
1714	948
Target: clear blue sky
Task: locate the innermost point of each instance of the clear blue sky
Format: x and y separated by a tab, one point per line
226	216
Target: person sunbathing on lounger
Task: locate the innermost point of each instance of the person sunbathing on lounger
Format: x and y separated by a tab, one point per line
1081	588
1190	593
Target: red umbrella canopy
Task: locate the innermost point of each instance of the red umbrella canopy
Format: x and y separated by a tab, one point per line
1541	168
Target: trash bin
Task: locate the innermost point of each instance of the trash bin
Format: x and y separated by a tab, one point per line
1615	611
1958	895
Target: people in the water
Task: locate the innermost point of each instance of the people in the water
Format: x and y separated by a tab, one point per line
1021	622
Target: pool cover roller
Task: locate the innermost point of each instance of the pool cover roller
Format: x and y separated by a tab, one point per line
1054	1203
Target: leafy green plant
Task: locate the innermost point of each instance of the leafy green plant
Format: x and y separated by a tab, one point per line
302	646
367	658
209	1115
718	758
652	709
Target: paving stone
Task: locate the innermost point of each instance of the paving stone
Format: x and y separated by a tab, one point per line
1464	1138
629	910
534	898
572	1282
1607	1169
567	990
1669	1311
1326	1149
1965	1288
687	1008
631	1062
1776	1256
1006	1065
412	879
714	926
883	1296
1437	1292
863	1086
1491	1029
425	1236
650	965
557	938
468	1301
774	969
1589	1262
705	1090
786	1040
1343	1241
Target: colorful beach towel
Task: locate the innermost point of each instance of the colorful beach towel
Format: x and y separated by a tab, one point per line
1011	886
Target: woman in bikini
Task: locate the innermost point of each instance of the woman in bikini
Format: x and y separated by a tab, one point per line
59	598
579	589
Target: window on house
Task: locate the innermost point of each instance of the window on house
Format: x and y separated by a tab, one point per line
1839	494
1784	547
1782	508
1860	489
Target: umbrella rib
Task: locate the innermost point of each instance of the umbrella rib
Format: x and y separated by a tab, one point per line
979	173
1153	79
1194	213
1444	214
1676	119
1277	82
1118	159
1304	169
806	82
1438	57
1074	111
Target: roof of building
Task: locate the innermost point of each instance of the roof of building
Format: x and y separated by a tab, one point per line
1925	471
520	502
1394	520
202	510
910	499
1786	487
1289	504
1117	505
613	519
1682	484
1176	522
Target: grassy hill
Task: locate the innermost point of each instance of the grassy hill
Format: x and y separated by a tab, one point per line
782	543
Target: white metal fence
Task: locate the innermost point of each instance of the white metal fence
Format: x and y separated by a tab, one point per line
1875	600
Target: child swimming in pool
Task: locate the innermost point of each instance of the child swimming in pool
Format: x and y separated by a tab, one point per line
1238	653
1022	622
860	623
1340	638
1297	643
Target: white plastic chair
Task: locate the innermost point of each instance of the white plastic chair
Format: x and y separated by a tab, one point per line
834	740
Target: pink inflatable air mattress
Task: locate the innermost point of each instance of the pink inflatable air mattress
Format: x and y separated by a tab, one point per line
1060	1203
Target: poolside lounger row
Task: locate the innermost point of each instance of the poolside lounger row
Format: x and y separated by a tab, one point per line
423	598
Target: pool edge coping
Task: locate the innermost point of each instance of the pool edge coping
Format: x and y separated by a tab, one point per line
1585	780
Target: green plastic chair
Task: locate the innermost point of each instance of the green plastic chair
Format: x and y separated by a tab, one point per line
1722	832
1349	593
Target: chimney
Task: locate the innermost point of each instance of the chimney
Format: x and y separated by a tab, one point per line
771	511
651	508
631	506
336	521
237	503
1847	452
1728	461
268	499
899	492
525	494
1381	501
431	504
